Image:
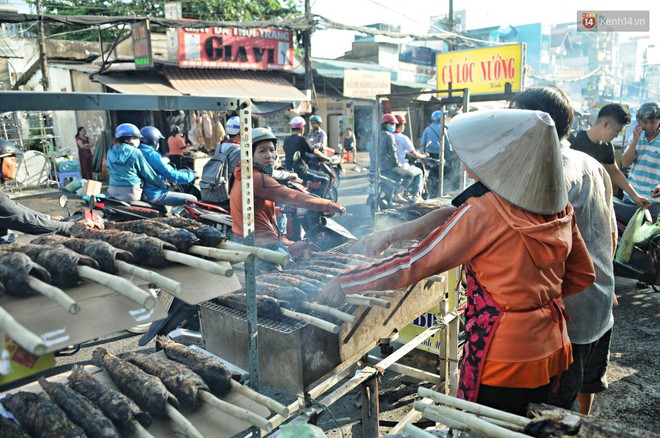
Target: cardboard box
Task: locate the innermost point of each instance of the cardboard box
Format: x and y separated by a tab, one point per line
92	188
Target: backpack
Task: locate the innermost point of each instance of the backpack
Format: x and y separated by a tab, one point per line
214	184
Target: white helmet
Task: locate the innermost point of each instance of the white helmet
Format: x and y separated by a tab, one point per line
233	126
297	122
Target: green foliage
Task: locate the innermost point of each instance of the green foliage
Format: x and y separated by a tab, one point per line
210	10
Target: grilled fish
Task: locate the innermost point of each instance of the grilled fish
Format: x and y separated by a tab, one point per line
40	417
80	410
11	429
208	236
180	238
14	270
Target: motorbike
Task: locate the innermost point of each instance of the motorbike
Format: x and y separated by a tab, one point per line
208	214
643	264
431	176
119	211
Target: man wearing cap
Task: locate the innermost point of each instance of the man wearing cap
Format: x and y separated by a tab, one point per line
515	233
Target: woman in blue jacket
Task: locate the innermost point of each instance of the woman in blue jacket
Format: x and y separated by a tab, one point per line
161	165
127	166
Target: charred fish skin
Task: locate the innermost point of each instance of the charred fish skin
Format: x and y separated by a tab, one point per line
177	378
11	429
180	238
266	306
80	410
14	270
146	390
115	405
40	417
307	285
290	294
208	236
216	375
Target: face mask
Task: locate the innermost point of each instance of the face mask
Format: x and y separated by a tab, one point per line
390	128
135	142
268	170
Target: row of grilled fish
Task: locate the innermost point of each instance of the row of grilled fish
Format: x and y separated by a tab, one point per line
87	407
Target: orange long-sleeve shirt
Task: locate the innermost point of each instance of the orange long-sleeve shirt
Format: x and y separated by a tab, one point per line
523	260
267	193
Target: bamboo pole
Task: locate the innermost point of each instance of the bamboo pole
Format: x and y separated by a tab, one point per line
221	254
468	422
167	284
416	432
361	300
139	431
312	320
253	395
475	408
196	262
264	254
119	285
22	336
54	293
185	426
236	411
380	293
322	308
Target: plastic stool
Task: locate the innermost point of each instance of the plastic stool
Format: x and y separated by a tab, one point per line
63	176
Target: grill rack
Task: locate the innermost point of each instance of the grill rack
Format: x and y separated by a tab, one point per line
284	325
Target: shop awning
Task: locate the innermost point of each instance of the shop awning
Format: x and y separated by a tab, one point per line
260	86
141	83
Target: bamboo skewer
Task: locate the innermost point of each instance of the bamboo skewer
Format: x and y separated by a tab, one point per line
316	322
235	411
196	262
169	285
182	422
264	254
22	336
473	407
119	285
139	431
380	293
54	293
467	422
322	308
253	395
221	254
416	432
361	300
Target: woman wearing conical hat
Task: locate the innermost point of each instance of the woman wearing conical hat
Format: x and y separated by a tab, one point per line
515	234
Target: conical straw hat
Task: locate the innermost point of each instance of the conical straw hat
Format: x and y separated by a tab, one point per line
516	154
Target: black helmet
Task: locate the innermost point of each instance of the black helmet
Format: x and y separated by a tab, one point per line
649	110
7	148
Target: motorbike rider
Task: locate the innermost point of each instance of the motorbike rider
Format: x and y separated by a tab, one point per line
431	136
127	166
149	145
296	142
317	137
404	147
644	154
389	164
268	192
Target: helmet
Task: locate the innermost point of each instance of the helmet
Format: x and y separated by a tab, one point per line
151	136
649	110
400	119
233	126
388	118
298	122
437	115
127	130
316	119
261	134
8	149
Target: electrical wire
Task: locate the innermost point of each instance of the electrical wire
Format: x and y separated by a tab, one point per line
327	409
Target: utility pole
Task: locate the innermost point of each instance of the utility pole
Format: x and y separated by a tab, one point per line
41	38
307	45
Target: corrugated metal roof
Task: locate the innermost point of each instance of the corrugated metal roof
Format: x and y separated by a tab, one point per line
144	83
257	85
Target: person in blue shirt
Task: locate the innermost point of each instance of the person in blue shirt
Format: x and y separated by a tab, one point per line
127	166
155	194
431	136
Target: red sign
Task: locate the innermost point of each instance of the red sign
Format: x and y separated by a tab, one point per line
232	47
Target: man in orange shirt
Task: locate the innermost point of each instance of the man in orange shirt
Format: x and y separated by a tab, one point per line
176	145
516	235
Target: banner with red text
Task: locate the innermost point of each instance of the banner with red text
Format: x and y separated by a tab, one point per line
237	48
483	71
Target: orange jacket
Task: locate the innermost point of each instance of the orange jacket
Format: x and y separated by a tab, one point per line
523	260
267	193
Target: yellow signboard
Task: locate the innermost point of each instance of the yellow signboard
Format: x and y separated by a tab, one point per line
482	71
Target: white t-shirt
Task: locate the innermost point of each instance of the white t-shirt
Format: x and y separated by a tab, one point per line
403	146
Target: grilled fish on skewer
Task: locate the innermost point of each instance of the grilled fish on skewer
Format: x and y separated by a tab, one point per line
15	268
41	417
80	410
208	236
214	373
311	274
307	285
11	429
311	263
180	238
120	409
